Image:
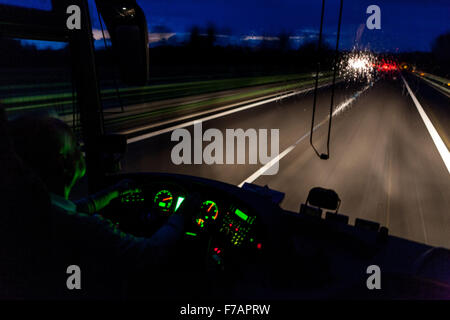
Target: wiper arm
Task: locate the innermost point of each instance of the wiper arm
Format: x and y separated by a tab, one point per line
325	156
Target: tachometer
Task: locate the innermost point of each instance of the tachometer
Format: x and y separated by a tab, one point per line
163	200
208	212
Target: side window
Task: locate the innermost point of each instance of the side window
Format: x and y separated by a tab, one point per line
36	78
114	94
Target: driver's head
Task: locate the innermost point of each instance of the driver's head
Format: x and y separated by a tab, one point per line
49	147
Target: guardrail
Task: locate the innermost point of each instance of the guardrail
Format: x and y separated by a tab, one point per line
440	83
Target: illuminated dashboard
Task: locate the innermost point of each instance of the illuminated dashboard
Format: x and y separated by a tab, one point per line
233	223
237	225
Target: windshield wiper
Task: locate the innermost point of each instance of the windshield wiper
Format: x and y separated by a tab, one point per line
325	156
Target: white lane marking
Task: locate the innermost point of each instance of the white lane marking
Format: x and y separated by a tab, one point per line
267	166
218	115
440	145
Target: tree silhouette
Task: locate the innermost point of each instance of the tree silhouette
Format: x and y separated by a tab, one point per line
211	35
284	41
441	53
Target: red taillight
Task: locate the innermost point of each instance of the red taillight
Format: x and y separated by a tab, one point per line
386	67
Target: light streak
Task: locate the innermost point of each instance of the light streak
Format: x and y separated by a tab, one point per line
358	65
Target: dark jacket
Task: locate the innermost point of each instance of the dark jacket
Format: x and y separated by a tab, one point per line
108	258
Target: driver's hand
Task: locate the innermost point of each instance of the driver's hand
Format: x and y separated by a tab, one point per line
101	199
124	187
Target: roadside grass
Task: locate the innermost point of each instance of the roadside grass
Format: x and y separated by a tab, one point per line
201	105
133	95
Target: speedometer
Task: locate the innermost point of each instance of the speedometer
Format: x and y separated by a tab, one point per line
163	200
208	212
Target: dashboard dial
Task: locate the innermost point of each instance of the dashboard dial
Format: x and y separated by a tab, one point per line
164	200
208	212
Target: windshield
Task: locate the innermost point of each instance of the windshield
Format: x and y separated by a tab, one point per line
231	95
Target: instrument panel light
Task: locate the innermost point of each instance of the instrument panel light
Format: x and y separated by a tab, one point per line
241	214
179	202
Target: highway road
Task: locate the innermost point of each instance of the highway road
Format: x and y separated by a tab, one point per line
384	163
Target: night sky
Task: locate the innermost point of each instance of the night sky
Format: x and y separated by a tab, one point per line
406	25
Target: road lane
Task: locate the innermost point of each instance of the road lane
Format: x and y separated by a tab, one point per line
435	103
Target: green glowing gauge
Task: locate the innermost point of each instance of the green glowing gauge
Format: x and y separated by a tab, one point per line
209	210
164	200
